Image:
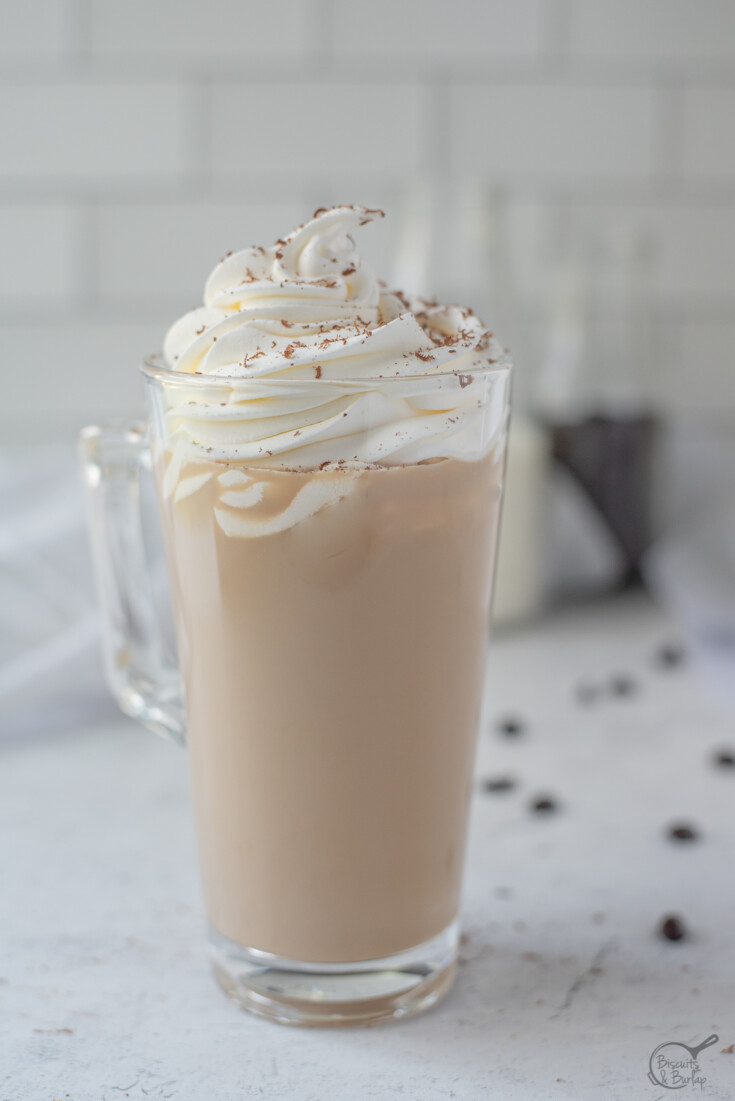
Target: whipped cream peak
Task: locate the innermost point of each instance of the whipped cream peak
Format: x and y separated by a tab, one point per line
406	387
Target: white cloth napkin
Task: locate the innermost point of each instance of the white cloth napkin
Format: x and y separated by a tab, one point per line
50	665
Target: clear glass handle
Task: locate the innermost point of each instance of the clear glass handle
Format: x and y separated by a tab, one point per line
141	670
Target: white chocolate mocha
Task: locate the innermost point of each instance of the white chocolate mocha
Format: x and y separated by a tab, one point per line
329	460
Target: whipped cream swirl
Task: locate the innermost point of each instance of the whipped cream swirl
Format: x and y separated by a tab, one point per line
401	381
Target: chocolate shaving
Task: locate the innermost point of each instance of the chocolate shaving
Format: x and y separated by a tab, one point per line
318	371
465	380
424	356
319	211
200	331
350	270
289	351
374	211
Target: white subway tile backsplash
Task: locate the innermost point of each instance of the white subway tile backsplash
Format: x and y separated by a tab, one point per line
166	249
709	132
701	374
220	28
38	255
509	130
692	246
679	30
302	128
435	29
34	30
121	185
92	130
74	372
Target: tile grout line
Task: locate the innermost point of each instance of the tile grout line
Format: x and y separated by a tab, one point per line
556	35
548	68
198	134
87	267
668	136
56	188
320	37
79	30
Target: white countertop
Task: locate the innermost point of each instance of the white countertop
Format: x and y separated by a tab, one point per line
565	990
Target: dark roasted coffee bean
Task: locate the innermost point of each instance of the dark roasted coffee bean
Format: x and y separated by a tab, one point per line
586	693
623	686
511	727
494	784
544	804
670	655
672	928
680	831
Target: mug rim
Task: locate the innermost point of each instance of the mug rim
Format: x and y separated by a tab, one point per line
153	367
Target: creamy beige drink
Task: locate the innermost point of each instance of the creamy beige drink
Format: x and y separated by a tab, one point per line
333	674
330	487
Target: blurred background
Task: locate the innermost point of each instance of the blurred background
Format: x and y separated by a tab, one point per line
566	168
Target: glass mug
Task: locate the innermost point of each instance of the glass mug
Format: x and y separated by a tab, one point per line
331	627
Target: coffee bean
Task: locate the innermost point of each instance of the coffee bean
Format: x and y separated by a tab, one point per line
544	804
670	655
586	693
511	727
680	831
494	784
623	686
672	927
724	758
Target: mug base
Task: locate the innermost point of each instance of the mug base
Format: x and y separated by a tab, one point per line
335	994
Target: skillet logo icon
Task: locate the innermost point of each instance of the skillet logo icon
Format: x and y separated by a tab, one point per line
674	1065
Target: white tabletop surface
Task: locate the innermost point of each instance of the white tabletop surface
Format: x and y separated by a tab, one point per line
565	988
